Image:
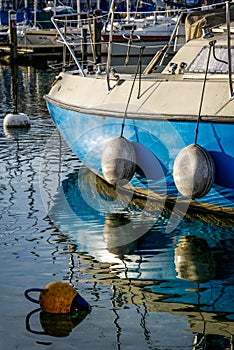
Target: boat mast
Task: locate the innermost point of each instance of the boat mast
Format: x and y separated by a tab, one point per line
1	12
78	10
55	8
128	11
78	6
108	62
35	13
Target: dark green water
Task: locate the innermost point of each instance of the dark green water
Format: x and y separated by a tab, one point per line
149	287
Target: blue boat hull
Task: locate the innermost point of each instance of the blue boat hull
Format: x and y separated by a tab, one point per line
86	134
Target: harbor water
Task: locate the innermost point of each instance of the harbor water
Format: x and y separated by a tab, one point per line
153	281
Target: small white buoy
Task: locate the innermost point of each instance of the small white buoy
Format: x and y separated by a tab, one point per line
16	120
194	171
118	161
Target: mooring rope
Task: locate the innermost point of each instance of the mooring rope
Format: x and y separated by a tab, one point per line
211	43
138	69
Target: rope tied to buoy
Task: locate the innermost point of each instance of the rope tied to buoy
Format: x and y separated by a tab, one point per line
194	169
212	44
138	70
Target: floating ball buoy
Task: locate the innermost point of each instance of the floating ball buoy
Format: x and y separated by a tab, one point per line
58	298
16	120
194	171
118	161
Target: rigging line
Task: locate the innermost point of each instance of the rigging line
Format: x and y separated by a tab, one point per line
130	40
140	71
109	54
131	91
216	58
211	43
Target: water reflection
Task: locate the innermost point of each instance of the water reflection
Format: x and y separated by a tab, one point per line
116	238
193	260
32	85
188	271
196	262
56	325
139	278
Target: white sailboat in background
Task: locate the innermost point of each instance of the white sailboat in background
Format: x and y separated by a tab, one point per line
151	29
36	36
41	34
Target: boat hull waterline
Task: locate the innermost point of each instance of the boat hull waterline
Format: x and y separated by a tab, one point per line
157	143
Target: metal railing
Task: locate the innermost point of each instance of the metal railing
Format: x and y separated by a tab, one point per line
66	29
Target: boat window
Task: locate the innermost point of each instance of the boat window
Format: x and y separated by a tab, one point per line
128	27
215	66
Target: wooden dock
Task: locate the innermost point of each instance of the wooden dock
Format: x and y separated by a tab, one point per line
31	54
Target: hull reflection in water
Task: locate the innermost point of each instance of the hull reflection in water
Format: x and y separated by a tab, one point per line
187	271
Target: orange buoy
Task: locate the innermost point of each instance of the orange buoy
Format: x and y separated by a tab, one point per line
58	298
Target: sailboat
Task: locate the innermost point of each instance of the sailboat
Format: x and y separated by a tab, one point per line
165	131
36	36
135	29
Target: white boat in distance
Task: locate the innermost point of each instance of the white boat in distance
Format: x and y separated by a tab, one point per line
152	32
149	28
36	35
135	29
41	33
170	133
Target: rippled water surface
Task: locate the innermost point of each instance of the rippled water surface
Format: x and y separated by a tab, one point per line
151	284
